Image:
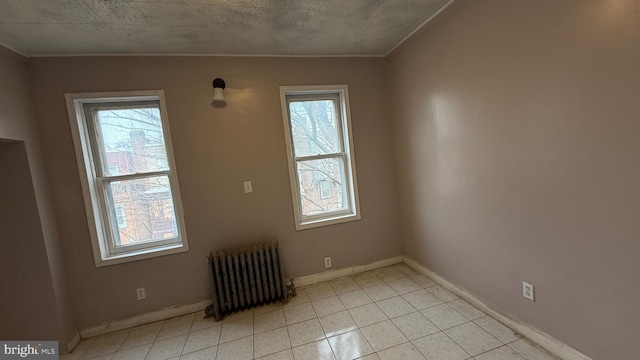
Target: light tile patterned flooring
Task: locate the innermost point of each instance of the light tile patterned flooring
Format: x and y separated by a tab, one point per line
388	313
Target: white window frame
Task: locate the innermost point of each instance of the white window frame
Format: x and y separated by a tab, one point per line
345	133
100	228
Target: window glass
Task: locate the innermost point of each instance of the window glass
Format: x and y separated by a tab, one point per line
132	140
313	200
314	127
121	216
151	214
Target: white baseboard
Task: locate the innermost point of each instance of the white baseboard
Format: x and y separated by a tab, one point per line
338	273
539	337
142	319
73	342
173	311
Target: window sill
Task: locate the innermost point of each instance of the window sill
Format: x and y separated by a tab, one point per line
108	260
327	221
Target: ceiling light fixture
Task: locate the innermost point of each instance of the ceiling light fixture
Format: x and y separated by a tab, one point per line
218	92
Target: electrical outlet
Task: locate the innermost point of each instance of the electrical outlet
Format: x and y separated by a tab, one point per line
527	291
141	293
327	262
247	187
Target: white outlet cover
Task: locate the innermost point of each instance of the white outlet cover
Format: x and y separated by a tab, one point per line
248	188
528	291
327	262
140	293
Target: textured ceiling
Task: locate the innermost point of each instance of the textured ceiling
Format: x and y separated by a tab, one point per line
247	27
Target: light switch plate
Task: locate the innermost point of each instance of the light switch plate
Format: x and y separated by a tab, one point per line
248	188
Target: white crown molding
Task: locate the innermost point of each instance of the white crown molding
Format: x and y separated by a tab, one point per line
13	53
419	27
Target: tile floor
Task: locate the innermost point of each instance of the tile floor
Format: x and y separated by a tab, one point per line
388	313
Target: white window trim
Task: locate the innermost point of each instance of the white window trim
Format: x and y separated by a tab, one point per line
353	213
97	226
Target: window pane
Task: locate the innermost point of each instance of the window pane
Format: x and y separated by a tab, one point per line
314	127
121	216
325	189
321	186
147	212
132	141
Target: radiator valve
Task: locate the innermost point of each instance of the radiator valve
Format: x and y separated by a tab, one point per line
291	288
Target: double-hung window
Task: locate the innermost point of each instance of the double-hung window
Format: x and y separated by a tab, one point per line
128	175
321	161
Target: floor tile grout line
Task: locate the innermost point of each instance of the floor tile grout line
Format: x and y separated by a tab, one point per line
353	286
503	345
289	336
358	328
125	340
445	334
183	345
188	334
460	345
515	334
207	328
400	331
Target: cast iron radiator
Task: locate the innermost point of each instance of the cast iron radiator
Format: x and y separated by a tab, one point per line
246	277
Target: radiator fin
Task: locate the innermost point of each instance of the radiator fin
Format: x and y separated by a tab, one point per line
246	277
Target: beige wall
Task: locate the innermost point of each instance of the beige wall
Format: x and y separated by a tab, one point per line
28	304
216	150
517	128
36	258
